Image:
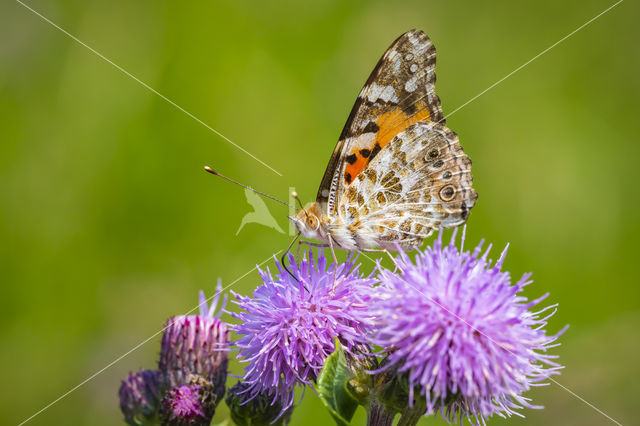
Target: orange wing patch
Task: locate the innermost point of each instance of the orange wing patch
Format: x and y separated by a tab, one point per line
389	124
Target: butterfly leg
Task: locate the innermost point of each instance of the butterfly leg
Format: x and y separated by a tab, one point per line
311	244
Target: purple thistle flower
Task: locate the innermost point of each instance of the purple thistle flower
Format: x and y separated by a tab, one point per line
139	395
196	345
288	327
456	328
183	406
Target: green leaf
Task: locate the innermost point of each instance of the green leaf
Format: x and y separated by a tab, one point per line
332	387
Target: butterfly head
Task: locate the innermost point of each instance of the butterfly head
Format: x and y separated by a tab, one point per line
307	221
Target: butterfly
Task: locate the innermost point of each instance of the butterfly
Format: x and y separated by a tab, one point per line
397	173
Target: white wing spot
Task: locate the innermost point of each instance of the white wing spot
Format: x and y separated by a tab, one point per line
408	57
386	93
396	64
411	85
365	140
413	68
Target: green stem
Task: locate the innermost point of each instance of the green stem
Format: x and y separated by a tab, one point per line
377	415
411	415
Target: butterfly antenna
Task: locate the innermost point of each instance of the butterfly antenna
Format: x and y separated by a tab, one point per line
213	172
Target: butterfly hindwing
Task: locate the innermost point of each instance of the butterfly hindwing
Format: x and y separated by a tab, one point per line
420	182
399	93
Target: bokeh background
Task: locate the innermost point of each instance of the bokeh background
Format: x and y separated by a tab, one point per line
108	224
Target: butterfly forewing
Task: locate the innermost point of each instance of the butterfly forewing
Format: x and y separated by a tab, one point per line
399	92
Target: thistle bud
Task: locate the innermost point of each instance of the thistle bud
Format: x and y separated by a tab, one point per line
139	395
265	409
195	345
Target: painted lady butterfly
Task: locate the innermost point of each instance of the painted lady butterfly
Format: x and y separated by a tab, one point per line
397	173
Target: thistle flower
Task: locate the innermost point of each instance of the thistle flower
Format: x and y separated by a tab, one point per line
288	327
259	410
139	394
461	334
196	345
182	406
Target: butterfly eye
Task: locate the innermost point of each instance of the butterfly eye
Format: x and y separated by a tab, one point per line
313	222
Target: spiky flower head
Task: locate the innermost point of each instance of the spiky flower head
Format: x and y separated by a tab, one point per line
461	333
182	406
288	327
139	395
261	410
196	345
193	404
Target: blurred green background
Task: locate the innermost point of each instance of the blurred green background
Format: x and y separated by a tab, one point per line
108	224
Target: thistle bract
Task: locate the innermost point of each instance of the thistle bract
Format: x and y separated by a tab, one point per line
260	410
462	335
139	394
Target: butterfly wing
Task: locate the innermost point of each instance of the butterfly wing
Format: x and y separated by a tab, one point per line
399	92
420	182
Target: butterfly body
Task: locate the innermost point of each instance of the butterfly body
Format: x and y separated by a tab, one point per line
313	224
397	173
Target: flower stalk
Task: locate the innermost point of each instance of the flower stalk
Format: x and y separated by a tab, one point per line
378	415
